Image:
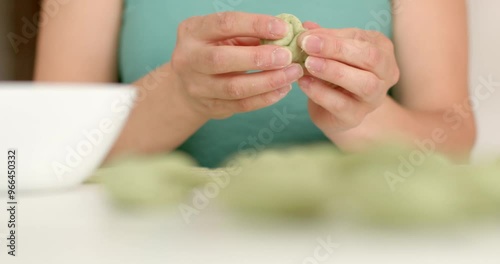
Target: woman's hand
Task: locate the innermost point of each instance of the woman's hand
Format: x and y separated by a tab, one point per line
350	72
213	54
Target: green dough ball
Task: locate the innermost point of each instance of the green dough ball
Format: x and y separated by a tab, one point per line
482	184
426	195
285	182
150	180
290	41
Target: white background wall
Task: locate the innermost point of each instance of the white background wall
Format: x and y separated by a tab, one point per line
485	61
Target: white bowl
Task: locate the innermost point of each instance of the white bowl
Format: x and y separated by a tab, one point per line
60	132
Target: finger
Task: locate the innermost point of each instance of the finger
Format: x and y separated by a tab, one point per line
252	103
359	35
363	55
363	84
247	85
225	25
243	41
325	120
226	59
311	25
321	117
343	109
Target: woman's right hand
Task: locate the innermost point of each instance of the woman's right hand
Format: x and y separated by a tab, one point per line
214	53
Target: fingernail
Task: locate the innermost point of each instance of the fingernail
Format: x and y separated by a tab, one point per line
314	64
282	57
294	72
278	27
312	44
305	82
284	91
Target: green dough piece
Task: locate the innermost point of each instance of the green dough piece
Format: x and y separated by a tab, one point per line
149	181
427	196
318	180
283	182
311	181
290	41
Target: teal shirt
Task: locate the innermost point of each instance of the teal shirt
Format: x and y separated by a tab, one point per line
148	37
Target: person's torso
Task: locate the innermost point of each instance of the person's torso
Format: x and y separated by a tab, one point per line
148	38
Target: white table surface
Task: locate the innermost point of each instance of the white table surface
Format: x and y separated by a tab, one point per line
80	226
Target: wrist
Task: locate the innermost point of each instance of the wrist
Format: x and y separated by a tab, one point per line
161	119
385	124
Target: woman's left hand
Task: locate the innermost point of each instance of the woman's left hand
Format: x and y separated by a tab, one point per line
350	72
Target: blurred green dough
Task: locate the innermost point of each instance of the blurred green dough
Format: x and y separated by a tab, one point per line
149	180
387	185
290	41
293	182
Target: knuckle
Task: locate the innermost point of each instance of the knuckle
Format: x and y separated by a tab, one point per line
210	105
270	98
226	22
232	89
259	26
215	59
336	71
185	27
259	58
371	86
373	58
192	90
244	105
349	123
334	121
355	122
277	80
388	43
178	61
341	104
319	93
362	35
337	47
216	109
372	34
358	118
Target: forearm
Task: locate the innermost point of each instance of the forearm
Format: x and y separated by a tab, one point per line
160	120
449	131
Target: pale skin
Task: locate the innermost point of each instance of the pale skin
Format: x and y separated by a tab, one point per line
349	72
